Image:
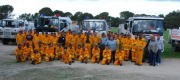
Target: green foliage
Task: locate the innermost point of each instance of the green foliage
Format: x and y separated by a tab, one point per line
126	14
61	13
173	19
68	14
47	11
5	11
26	16
168	51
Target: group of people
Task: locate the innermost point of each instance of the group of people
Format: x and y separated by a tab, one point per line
84	47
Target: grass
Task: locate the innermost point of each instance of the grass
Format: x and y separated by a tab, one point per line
168	52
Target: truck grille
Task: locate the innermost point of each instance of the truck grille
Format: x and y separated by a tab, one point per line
7	33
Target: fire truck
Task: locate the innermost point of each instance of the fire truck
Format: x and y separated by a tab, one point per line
98	25
145	25
174	38
9	29
52	23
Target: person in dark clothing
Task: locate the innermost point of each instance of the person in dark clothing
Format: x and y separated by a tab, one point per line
62	40
146	52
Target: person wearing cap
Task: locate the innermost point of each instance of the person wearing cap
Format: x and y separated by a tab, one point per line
104	38
119	57
20	38
36	57
127	47
106	56
133	48
59	51
19	54
27	50
84	55
95	54
112	44
36	39
49	53
140	50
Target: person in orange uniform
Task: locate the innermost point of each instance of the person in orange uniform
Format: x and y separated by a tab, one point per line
29	38
84	56
83	38
40	49
68	38
119	57
49	53
59	51
95	54
78	51
19	54
36	39
74	40
127	47
140	50
36	57
106	56
42	36
71	52
79	42
46	40
20	38
96	39
54	39
27	51
134	47
88	44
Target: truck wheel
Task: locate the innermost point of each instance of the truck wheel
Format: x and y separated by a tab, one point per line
5	41
175	48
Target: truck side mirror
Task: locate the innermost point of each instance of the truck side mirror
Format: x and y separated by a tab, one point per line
125	26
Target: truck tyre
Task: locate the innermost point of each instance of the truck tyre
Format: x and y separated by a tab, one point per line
5	41
175	48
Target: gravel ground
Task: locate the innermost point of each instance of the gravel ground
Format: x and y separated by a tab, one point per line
56	70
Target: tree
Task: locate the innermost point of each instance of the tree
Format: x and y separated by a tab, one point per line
161	15
68	14
5	11
34	16
77	16
172	19
126	14
47	11
61	13
26	16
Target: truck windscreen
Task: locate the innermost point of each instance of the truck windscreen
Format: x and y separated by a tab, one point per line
94	25
148	26
48	23
8	23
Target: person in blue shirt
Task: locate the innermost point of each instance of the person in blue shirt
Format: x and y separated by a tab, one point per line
112	44
160	49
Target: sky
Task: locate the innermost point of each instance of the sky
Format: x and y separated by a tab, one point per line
114	7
